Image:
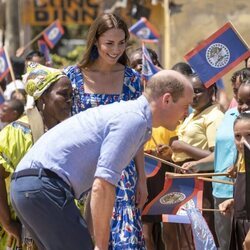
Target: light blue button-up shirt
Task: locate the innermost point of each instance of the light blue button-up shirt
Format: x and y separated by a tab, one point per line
225	153
98	142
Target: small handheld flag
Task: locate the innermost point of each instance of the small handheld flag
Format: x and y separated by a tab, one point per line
176	194
2	99
53	33
145	31
148	68
218	54
43	48
4	66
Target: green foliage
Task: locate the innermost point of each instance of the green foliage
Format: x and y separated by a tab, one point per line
72	57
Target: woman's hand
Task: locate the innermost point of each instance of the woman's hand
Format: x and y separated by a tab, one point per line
141	195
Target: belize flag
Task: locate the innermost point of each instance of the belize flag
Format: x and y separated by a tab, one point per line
177	195
148	68
43	48
145	31
4	66
218	54
1	96
152	166
53	33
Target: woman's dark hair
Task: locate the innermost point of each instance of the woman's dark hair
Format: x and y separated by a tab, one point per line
33	53
183	68
102	24
243	75
152	54
242	117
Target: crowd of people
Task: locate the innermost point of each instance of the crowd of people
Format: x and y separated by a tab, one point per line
72	145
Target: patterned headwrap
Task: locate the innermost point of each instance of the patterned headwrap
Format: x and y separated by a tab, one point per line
39	78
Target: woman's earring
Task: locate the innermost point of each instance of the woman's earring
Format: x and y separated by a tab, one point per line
94	53
43	107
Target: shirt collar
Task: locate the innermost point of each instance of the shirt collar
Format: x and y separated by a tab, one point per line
146	111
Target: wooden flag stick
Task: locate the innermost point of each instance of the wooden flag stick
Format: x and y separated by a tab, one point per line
210	209
198	174
216	180
12	74
33	40
156	145
164	161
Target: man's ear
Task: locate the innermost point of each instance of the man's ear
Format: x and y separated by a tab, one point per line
166	98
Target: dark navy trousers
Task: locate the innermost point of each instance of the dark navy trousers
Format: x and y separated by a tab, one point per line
47	209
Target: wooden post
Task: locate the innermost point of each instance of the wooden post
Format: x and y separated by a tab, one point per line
166	46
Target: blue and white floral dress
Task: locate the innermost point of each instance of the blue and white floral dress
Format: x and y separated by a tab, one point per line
126	228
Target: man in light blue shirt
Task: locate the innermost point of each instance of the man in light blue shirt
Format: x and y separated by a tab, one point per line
90	150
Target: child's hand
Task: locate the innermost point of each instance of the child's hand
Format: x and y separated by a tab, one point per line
232	171
226	207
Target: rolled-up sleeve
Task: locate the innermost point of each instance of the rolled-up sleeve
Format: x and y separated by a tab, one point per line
123	137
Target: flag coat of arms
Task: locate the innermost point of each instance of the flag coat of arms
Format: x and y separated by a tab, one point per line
43	48
148	68
53	33
4	66
218	54
145	31
177	195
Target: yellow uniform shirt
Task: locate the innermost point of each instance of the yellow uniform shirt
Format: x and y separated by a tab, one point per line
16	140
161	136
199	131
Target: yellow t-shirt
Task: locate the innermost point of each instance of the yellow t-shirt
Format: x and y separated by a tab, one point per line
199	131
161	136
16	140
240	164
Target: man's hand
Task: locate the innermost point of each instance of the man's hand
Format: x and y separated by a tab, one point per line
141	192
101	204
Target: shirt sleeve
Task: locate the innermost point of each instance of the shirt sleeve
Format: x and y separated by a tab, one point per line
212	124
15	142
123	137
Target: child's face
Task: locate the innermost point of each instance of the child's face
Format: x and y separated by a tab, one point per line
241	132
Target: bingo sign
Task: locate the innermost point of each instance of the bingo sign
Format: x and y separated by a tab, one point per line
44	12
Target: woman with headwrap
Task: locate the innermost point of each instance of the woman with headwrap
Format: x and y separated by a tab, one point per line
51	90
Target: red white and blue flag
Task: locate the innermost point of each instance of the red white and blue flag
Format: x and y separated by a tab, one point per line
4	66
53	33
43	48
148	68
152	166
1	97
177	195
218	54
145	31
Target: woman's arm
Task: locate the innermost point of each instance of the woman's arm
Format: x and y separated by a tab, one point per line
11	226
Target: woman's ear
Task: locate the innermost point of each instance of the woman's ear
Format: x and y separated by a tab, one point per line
39	104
